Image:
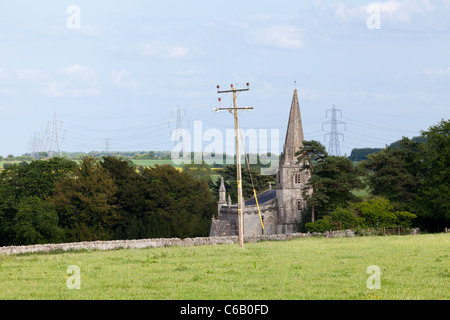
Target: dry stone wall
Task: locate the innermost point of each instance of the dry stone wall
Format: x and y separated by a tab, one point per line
162	242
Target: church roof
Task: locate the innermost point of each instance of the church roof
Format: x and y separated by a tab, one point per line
294	133
262	197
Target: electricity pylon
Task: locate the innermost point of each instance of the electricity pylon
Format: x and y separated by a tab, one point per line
179	121
333	145
54	138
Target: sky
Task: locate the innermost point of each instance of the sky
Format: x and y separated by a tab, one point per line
101	75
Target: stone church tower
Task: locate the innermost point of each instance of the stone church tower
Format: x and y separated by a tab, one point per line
290	179
281	208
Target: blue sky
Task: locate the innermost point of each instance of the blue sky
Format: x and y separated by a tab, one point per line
121	75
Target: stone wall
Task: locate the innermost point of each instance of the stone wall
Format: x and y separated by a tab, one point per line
222	228
162	242
227	222
167	242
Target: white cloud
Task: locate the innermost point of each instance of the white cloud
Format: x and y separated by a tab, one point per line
79	73
163	51
3	75
177	52
29	74
73	81
62	30
93	31
437	72
394	10
58	89
119	78
280	36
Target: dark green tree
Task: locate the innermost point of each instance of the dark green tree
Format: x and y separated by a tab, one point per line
198	171
432	203
86	202
36	221
130	197
312	152
333	180
394	173
261	182
360	154
184	202
18	182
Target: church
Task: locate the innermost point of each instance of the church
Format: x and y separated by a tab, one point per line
281	207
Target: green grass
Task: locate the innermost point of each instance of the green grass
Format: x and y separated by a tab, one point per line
412	267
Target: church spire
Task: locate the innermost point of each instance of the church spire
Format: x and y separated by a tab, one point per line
294	134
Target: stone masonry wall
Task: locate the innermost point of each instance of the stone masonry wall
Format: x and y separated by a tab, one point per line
161	242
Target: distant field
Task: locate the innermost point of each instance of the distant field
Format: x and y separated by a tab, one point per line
144	163
412	267
151	163
3	162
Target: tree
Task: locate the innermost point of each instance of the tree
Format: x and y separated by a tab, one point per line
86	202
185	203
393	173
198	171
311	152
359	154
37	178
332	180
414	175
36	221
18	182
432	203
261	182
130	195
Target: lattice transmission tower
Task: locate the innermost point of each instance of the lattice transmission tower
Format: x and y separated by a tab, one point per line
333	143
54	137
179	126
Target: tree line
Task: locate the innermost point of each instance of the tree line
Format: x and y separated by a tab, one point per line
59	200
408	184
110	198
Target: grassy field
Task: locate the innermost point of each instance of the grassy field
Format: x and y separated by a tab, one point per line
412	267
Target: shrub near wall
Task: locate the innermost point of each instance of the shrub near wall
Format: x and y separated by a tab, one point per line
375	214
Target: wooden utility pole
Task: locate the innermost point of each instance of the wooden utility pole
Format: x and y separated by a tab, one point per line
235	110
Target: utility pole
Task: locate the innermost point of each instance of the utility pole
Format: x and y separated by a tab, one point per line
235	110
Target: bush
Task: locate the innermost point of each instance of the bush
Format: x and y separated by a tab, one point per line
405	218
320	225
379	213
375	213
344	219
